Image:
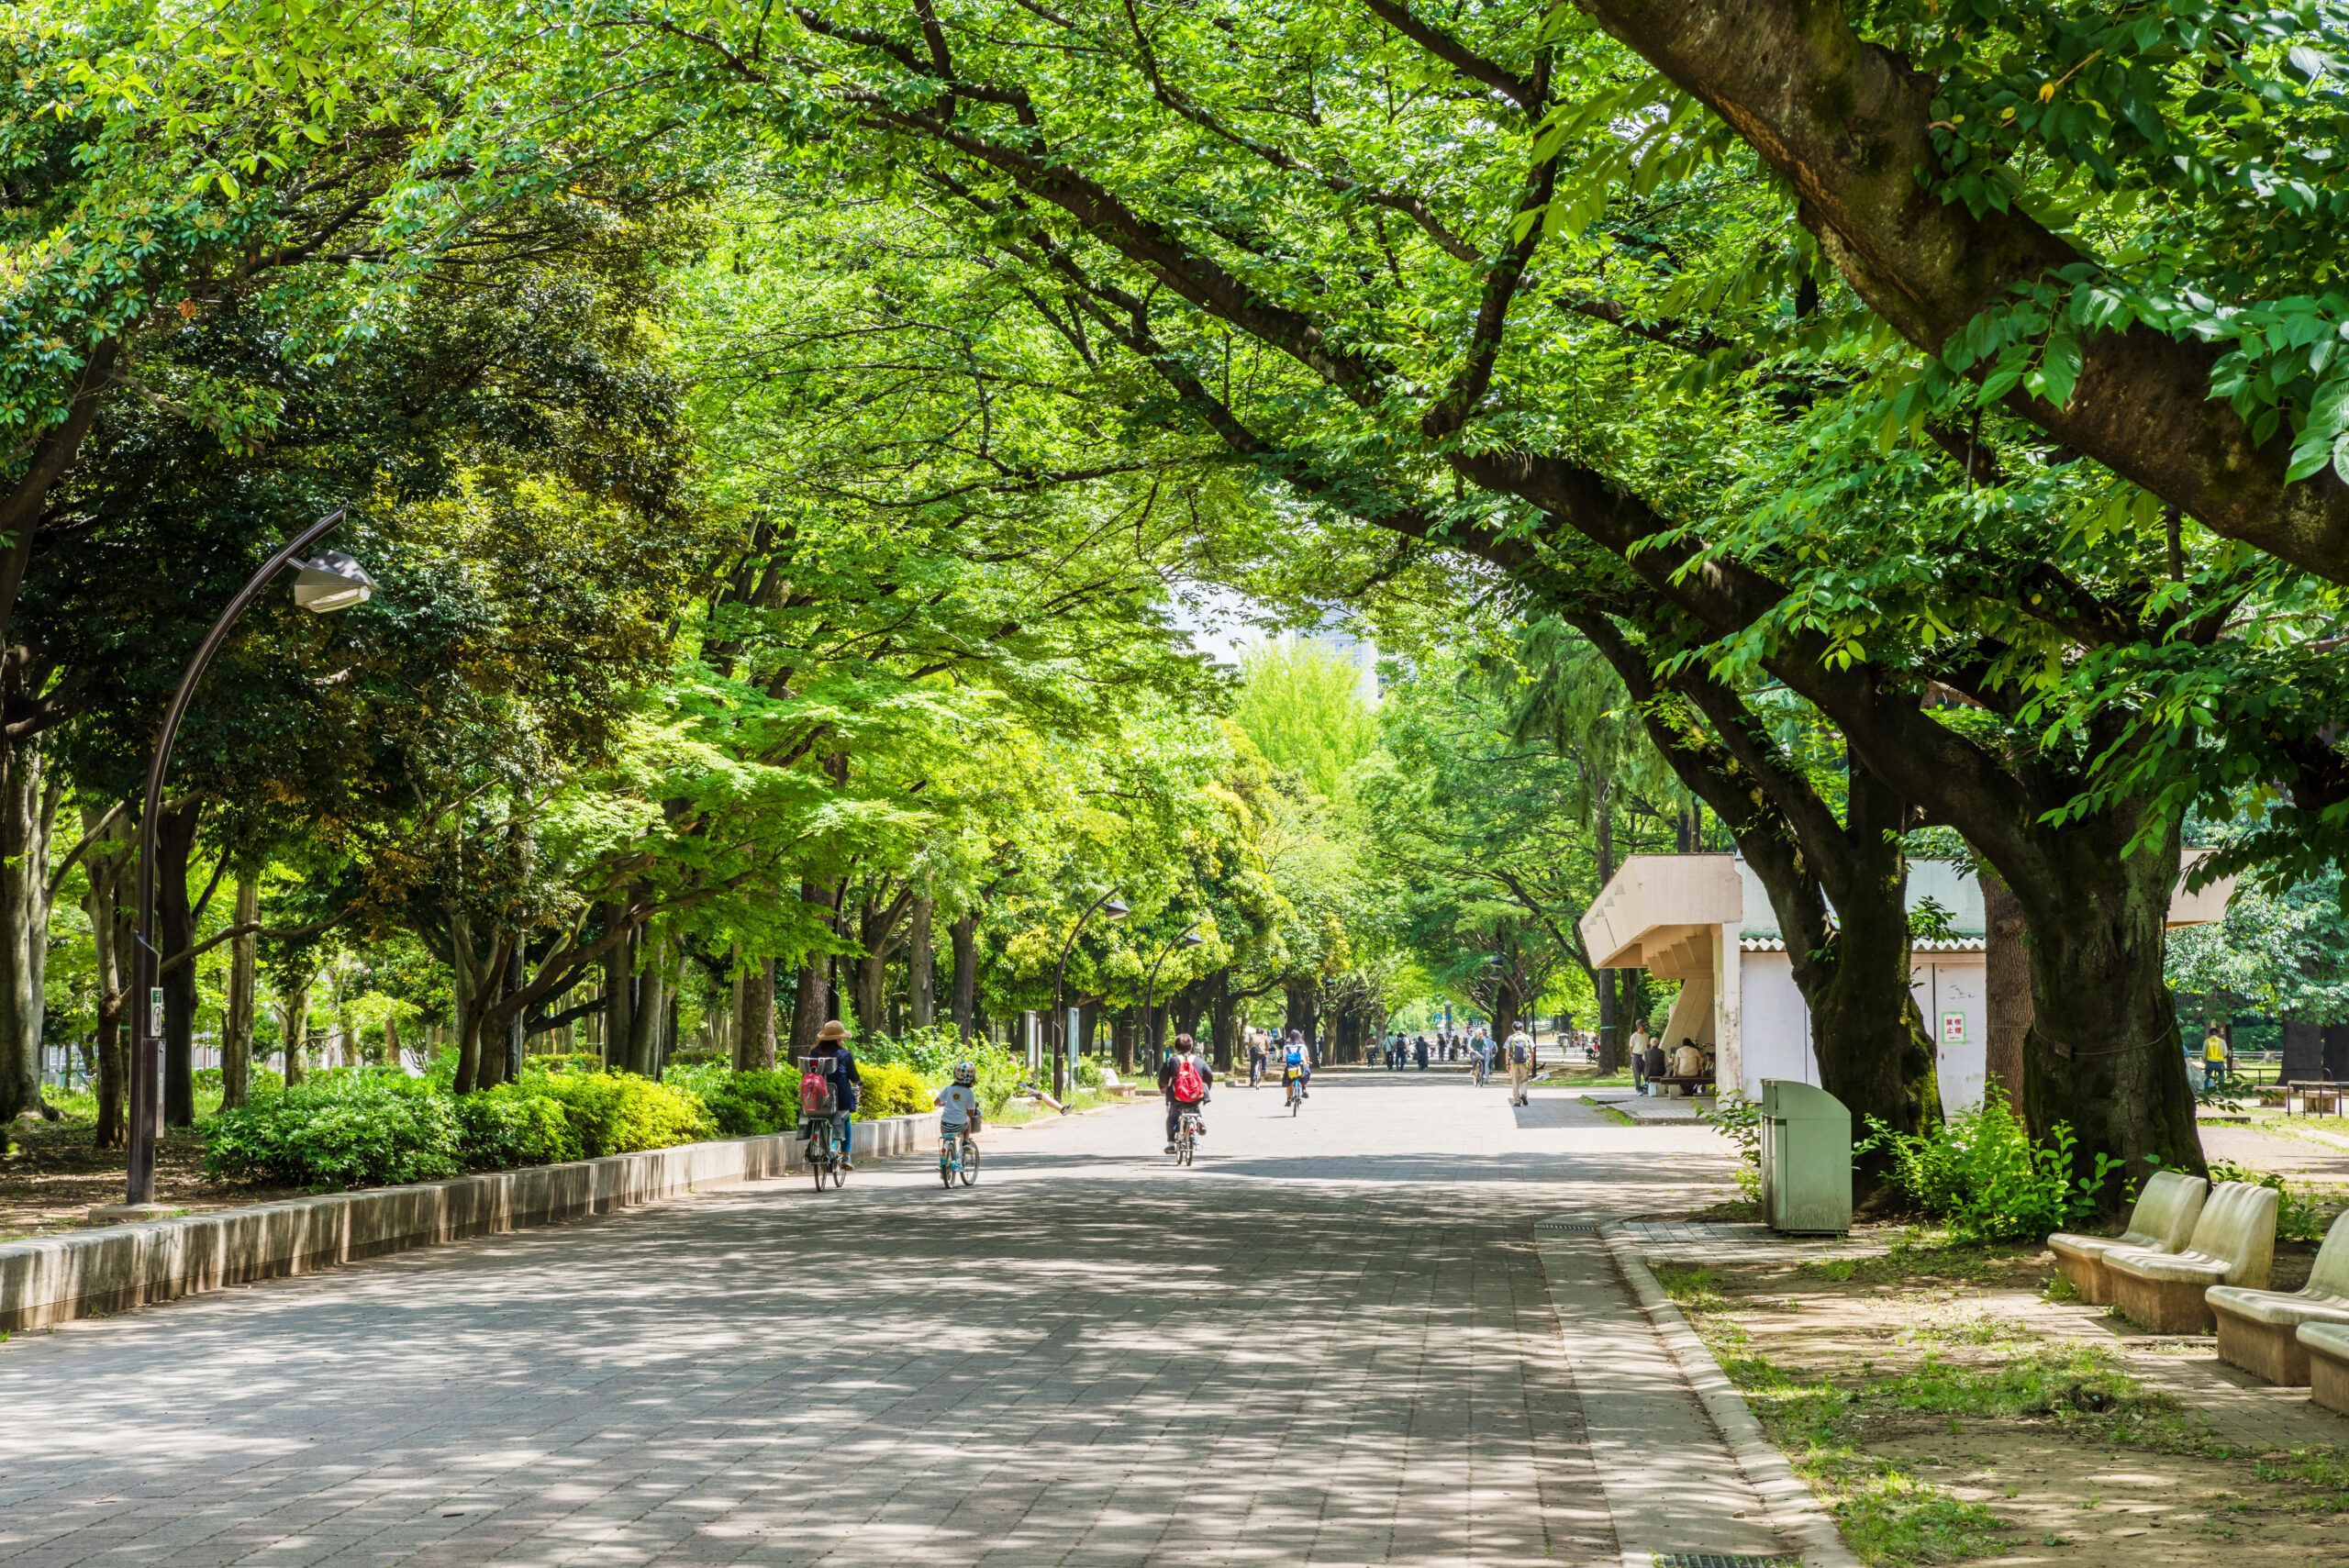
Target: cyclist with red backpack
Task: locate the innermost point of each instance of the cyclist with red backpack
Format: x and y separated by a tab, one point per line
1185	1079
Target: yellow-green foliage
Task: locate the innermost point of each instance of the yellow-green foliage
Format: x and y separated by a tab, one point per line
619	1112
892	1090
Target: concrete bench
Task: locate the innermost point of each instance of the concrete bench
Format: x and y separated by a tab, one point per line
2233	1244
2167	1206
2326	1346
2258	1328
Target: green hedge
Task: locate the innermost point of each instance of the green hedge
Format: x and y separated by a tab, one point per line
364	1126
377	1127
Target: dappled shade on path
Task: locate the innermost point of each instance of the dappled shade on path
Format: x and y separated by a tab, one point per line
1307	1350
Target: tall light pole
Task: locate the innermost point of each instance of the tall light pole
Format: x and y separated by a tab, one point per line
333	581
1189	939
1108	904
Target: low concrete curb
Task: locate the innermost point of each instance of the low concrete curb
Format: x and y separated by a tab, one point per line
54	1279
1796	1511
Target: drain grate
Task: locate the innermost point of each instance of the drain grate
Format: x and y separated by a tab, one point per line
1567	1228
1722	1560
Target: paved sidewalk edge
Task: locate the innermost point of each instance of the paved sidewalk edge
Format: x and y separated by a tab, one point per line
48	1280
1793	1507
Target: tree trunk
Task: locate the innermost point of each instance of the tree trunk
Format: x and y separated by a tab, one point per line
174	935
1611	1032
965	932
812	996
755	1019
108	862
2104	1056
921	978
2006	986
392	1054
1223	1011
1298	1012
237	1026
872	979
620	996
2336	1053
27	811
651	1012
1127	1026
2303	1054
296	1013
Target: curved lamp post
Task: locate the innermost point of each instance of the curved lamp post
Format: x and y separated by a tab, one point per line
1189	939
332	582
1108	904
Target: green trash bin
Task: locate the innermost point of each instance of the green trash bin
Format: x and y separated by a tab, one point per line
1806	1159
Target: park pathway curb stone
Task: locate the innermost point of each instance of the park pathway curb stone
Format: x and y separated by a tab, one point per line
48	1280
1793	1507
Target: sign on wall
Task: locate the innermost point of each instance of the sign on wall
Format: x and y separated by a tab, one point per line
1953	1028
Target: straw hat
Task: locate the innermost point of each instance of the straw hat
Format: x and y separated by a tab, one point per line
833	1031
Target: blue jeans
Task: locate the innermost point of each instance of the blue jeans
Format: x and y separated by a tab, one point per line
848	1134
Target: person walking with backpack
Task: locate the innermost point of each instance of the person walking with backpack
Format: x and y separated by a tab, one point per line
1185	1079
1522	1059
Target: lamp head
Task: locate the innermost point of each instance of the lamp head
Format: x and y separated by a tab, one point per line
1192	940
333	581
1115	908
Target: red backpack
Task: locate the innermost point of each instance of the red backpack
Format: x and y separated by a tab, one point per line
815	1098
1188	1084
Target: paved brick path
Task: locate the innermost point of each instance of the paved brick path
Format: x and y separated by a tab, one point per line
1331	1342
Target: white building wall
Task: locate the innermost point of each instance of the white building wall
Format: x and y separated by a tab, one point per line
1949	988
1775	1035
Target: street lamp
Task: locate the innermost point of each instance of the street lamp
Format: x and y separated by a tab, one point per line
1108	904
332	582
1189	939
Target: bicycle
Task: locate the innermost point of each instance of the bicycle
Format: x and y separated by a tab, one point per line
1483	1070
958	1158
1296	1081
1186	1136
826	1154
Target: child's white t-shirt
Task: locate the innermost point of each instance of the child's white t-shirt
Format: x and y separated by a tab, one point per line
960	1102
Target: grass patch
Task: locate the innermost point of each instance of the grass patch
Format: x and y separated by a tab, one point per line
1693	1288
1919	1256
1888	1518
1621	1118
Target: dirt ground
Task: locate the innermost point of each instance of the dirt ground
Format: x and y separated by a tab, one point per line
50	1177
1949	1414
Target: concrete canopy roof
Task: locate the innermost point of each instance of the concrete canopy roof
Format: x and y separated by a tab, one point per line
1661	913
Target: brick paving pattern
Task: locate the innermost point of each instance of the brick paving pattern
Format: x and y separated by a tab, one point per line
1331	1342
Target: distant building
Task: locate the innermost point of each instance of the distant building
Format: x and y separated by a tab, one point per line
1706	921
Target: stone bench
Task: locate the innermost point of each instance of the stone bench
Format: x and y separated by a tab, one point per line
2258	1328
2326	1346
2167	1206
2233	1244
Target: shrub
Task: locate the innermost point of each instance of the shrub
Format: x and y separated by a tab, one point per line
337	1128
2298	1217
894	1090
513	1125
619	1112
745	1105
1088	1072
1980	1173
1739	1121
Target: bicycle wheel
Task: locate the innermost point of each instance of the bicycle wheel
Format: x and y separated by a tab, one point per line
969	1162
816	1154
840	1169
946	1172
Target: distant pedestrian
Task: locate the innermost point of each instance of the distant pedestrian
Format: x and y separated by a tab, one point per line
1522	1059
1423	1053
1638	1048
